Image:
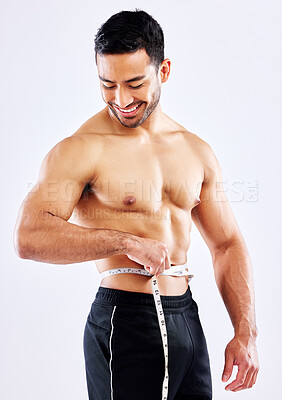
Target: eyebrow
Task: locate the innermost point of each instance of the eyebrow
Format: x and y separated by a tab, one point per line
137	78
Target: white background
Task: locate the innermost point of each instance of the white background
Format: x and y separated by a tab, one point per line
225	86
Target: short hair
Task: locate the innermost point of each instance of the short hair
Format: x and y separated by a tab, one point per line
129	31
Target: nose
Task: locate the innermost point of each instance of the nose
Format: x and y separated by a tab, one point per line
123	98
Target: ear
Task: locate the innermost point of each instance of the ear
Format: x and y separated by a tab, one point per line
165	70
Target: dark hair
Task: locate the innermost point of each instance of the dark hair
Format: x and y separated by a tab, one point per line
129	31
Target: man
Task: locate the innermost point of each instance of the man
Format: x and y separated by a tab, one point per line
134	180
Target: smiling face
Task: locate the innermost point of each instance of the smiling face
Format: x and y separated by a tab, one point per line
130	86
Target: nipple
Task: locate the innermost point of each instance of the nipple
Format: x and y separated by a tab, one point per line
129	200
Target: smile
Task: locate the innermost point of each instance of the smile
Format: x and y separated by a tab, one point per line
128	112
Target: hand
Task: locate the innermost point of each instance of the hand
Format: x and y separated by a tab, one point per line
241	351
150	253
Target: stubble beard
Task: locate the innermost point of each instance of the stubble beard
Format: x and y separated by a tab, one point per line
148	111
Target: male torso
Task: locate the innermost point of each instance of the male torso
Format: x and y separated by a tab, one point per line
143	185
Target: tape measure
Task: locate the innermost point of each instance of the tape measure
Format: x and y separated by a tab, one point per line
174	270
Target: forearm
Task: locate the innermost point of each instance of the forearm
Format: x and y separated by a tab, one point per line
53	240
234	278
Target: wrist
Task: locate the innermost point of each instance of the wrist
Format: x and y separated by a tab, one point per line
131	244
246	333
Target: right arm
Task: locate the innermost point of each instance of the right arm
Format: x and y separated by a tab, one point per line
43	233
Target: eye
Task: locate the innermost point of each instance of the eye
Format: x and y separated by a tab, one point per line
108	87
136	87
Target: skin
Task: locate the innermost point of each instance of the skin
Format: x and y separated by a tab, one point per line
132	187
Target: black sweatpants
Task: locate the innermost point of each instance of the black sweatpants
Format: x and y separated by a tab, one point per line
123	350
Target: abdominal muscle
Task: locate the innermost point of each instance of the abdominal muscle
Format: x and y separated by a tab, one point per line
168	285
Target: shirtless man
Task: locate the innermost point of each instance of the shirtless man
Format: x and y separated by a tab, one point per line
133	180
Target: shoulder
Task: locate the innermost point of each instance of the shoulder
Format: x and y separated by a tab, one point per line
199	145
96	126
206	156
189	136
86	140
79	151
201	149
75	147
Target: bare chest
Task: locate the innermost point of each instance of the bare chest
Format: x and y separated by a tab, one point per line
147	178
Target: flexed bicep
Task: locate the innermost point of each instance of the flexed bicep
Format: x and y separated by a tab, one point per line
64	173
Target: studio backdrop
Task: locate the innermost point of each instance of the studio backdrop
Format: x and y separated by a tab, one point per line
224	86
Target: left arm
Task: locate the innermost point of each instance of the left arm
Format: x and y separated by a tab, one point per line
233	272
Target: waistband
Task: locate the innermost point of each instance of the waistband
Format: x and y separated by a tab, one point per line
118	297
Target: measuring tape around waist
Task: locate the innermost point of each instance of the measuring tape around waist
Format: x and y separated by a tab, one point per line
174	270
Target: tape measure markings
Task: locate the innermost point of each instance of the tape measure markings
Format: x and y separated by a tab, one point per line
174	270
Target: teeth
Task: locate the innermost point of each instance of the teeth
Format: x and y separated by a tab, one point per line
132	109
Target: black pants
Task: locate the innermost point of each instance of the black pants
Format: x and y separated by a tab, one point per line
123	350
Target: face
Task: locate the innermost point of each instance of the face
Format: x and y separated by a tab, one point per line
130	86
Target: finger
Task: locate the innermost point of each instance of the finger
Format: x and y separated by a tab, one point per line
249	378
255	376
161	267
163	262
247	383
228	367
167	260
252	382
240	378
